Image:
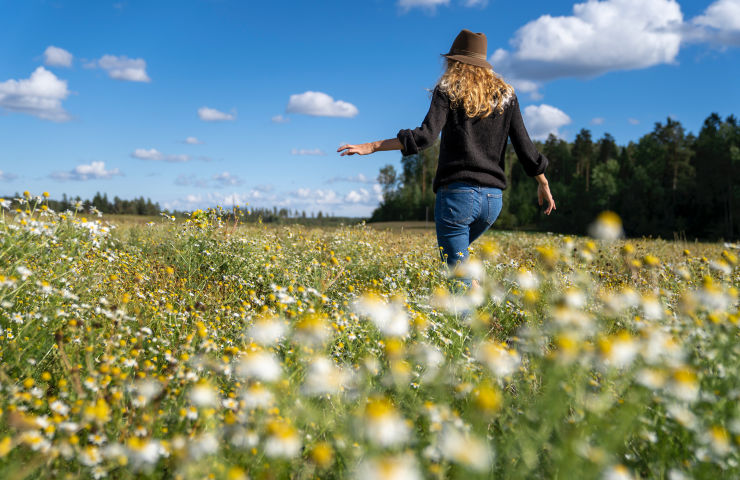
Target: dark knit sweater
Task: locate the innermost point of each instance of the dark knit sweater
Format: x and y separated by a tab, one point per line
472	149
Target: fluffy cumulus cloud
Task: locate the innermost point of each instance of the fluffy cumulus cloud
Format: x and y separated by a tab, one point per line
40	95
543	120
597	121
152	154
93	171
280	119
600	36
319	104
192	141
208	114
7	177
124	68
57	57
307	151
364	196
720	23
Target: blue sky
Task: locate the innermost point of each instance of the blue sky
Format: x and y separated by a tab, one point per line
218	102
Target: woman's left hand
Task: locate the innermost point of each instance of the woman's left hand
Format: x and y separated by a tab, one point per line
361	149
544	196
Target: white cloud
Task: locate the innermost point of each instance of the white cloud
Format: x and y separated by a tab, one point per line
600	36
317	197
722	14
475	3
124	68
304	151
720	23
192	141
280	119
93	171
597	121
40	95
359	178
57	57
319	104
543	120
155	155
365	197
227	179
633	121
208	114
7	177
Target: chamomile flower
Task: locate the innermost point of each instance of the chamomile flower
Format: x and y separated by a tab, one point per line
397	467
383	424
500	360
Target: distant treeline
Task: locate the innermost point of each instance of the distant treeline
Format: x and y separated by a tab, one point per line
288	216
668	183
137	206
142	206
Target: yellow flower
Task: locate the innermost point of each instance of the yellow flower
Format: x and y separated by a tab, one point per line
6	445
236	473
487	398
651	260
322	454
608	226
98	412
548	255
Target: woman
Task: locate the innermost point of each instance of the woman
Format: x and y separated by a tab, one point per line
476	111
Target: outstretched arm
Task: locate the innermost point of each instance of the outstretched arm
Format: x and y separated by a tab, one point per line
372	147
409	141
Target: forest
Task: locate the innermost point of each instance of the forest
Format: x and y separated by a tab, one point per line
668	184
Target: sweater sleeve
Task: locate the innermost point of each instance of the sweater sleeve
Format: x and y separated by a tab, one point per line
425	135
534	162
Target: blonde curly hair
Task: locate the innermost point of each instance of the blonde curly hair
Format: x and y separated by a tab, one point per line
478	90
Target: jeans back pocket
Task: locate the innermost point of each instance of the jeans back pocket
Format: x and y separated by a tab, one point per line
495	203
455	205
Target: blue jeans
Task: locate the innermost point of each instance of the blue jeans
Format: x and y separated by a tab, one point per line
462	213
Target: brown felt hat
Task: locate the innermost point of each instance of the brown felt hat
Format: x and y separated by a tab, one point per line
469	48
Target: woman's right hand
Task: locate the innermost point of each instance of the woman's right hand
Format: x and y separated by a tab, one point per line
544	195
361	149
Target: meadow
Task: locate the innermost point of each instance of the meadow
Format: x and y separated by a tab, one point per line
205	348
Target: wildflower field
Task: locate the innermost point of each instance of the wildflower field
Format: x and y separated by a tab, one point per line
208	349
